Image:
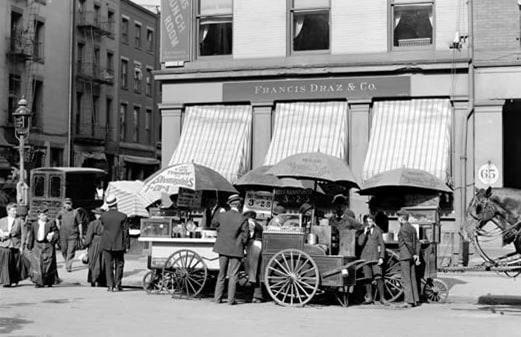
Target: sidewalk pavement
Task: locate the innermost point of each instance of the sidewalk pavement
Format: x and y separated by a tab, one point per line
484	287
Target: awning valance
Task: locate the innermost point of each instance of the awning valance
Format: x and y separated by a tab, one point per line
216	136
308	127
140	160
412	134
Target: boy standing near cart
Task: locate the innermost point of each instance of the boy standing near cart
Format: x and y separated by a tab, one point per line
232	236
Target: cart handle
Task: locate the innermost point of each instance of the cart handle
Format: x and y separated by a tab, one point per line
344	269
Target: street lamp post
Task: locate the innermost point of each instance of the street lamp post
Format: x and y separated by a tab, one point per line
22	125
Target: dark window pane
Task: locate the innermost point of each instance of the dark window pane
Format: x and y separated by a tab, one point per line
55	187
39	186
310	31
215	38
412	25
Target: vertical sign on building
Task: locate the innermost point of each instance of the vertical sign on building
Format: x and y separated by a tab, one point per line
176	21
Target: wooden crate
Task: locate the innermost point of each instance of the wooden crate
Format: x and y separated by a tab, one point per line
273	242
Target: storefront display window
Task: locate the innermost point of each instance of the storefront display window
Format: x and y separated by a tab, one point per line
412	25
310	25
215	27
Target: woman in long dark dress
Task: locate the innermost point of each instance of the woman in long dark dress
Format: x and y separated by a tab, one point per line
42	238
93	241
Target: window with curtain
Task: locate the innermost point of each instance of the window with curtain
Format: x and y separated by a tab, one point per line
215	27
412	25
309	25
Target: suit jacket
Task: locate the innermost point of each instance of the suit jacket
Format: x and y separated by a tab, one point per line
32	233
373	246
408	242
16	235
115	235
232	233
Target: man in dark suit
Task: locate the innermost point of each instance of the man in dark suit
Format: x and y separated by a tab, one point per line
114	242
232	236
409	256
373	249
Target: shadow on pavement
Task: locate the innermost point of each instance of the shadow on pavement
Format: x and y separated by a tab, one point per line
500	299
10	324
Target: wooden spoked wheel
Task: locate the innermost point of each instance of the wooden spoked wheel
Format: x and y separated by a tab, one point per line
435	290
152	282
393	287
184	274
291	277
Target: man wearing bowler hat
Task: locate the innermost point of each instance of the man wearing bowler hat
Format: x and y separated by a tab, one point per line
69	223
409	257
114	242
343	218
232	236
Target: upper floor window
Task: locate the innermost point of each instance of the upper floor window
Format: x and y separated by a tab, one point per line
412	24
150	39
148	89
124	30
124	74
138	77
215	27
137	35
110	21
309	25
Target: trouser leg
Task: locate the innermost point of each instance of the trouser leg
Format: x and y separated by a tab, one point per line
119	260
109	268
368	286
221	278
71	249
233	274
407	282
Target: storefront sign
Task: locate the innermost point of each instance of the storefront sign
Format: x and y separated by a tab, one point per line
347	87
260	202
488	174
176	20
189	198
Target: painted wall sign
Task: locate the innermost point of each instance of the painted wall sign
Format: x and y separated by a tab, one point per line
488	174
348	87
176	20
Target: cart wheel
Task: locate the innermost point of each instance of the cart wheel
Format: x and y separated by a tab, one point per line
512	273
184	274
435	290
291	277
342	296
392	278
152	282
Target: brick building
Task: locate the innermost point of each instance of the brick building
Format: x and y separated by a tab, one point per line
247	83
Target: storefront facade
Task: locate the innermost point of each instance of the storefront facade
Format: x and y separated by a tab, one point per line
265	101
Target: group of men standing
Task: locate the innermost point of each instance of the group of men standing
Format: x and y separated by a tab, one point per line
28	248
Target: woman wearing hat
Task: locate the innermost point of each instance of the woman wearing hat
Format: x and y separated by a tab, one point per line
409	257
43	235
96	274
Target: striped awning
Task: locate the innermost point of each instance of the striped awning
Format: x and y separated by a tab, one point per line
412	134
216	136
308	127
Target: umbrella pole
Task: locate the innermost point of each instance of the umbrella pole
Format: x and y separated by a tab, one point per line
313	213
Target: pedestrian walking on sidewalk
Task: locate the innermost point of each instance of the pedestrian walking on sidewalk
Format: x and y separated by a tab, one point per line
409	257
42	236
12	241
96	275
115	243
71	229
232	236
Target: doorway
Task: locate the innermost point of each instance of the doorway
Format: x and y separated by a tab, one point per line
512	144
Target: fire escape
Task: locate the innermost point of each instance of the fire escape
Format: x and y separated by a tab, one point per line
90	76
24	52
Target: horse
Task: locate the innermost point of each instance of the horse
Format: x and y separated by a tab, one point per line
501	206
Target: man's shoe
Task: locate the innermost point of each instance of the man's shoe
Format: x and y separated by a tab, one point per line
256	300
405	305
118	288
38	286
109	289
232	303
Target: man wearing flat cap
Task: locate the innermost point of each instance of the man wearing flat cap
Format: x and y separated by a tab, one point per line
42	235
409	247
69	223
114	242
232	237
343	218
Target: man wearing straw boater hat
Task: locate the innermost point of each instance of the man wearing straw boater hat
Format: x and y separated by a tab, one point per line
232	236
114	242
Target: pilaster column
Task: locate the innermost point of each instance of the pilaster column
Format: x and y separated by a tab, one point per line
170	132
261	135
